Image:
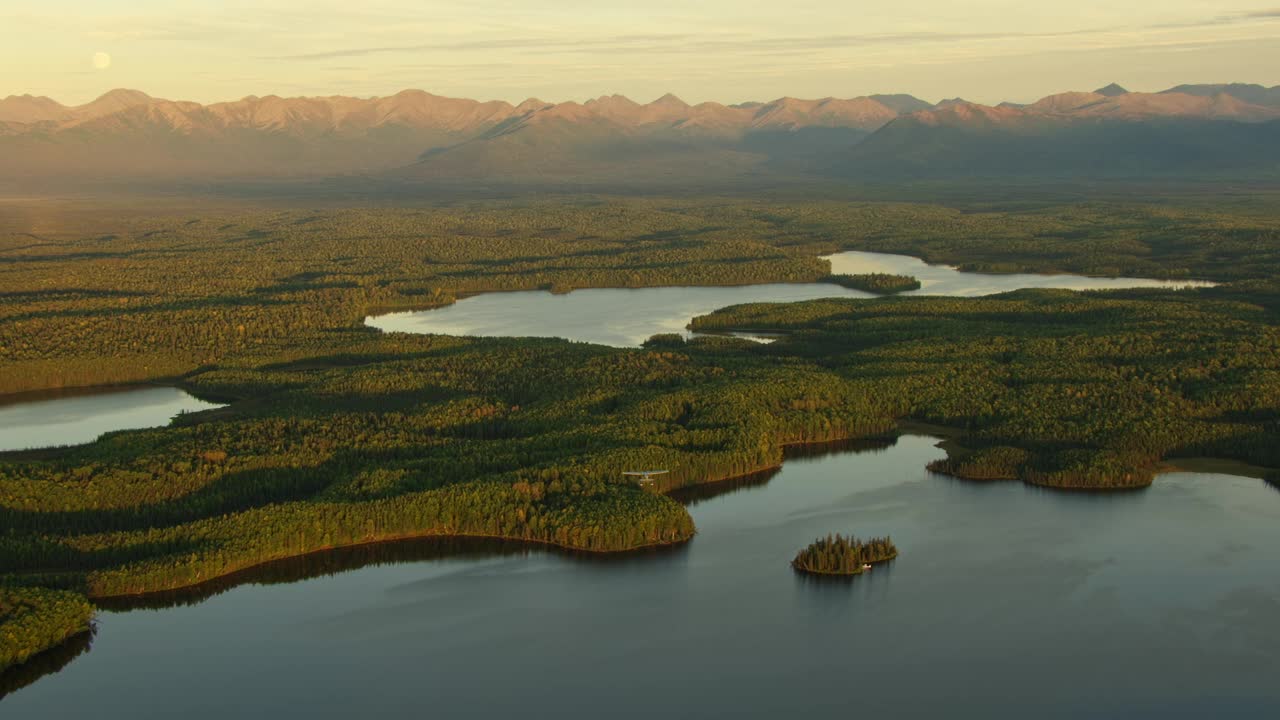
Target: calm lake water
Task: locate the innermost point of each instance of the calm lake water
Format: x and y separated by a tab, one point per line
1007	601
71	418
626	317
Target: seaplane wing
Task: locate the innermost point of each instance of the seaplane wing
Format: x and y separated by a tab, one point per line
645	473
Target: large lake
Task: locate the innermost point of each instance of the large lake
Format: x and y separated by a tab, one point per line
627	317
74	417
1007	601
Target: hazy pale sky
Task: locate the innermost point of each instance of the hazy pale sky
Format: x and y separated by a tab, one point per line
723	50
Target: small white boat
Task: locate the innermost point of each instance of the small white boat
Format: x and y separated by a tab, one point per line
866	566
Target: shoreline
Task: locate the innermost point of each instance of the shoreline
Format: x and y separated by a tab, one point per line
530	543
1208	464
390	540
23	397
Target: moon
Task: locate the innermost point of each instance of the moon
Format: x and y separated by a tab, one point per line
101	60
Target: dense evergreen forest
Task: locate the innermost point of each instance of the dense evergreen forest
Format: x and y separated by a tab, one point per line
35	619
840	555
90	298
1056	388
337	434
878	283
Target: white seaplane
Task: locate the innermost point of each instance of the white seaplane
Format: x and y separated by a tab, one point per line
646	476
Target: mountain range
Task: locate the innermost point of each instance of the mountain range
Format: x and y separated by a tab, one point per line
1108	132
127	135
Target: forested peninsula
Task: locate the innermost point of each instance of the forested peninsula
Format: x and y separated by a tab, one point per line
336	434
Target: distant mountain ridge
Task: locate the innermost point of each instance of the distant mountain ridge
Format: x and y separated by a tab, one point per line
126	133
420	108
415	135
1108	132
1253	94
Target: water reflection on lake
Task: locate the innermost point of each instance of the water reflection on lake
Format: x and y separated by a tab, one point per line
1007	601
626	317
71	418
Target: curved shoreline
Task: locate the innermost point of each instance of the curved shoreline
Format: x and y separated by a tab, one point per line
46	662
125	598
530	543
1210	464
526	542
1205	464
822	446
124	407
791	450
373	312
1181	283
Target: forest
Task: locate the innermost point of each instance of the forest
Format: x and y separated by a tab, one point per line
115	295
840	555
1055	388
338	435
878	283
35	619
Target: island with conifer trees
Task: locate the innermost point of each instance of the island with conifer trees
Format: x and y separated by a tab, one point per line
840	555
878	283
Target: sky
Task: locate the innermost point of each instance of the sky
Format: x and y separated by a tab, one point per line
556	50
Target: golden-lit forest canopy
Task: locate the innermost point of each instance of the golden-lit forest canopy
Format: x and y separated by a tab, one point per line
337	434
34	619
117	296
1092	389
878	283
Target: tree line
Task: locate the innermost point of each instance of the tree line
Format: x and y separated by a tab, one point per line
34	619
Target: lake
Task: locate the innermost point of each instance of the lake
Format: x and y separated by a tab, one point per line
80	416
626	317
1007	601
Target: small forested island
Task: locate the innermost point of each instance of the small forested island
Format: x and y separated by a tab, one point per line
878	283
840	555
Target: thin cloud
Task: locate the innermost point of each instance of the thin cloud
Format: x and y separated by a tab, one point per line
1217	21
495	44
687	43
676	43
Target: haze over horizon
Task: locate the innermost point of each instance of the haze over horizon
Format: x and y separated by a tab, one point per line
990	51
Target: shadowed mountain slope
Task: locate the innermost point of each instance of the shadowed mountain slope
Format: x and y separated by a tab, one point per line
1114	134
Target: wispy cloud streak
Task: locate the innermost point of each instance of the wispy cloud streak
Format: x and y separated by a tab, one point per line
743	43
